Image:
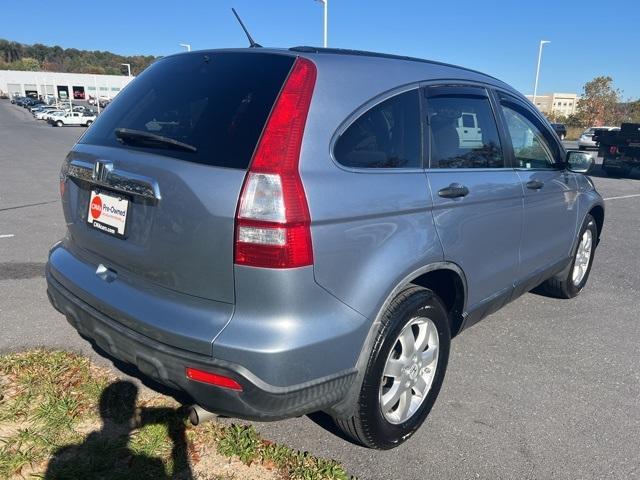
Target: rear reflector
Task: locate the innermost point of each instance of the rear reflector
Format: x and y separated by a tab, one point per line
212	379
273	220
613	149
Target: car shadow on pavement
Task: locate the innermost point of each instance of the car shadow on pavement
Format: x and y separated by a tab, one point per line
107	453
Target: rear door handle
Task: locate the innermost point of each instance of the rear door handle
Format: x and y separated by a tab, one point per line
103	174
535	185
455	190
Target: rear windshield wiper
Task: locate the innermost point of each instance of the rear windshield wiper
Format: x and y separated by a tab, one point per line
127	135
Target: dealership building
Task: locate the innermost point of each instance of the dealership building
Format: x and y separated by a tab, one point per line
560	103
79	86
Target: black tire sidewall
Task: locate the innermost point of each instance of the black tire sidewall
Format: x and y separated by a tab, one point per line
422	303
589	223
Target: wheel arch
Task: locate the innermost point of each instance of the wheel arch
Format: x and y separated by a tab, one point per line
449	283
436	276
597	212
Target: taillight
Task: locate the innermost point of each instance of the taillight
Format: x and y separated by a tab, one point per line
272	220
613	149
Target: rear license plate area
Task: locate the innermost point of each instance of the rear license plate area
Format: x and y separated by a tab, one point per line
108	213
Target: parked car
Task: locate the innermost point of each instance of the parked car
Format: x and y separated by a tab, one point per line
560	129
54	114
46	113
71	118
276	242
619	149
39	109
586	140
30	102
37	106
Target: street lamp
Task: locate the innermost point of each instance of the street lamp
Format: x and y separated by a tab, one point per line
128	65
326	6
186	45
535	86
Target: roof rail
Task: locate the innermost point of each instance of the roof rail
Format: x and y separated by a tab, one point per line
364	53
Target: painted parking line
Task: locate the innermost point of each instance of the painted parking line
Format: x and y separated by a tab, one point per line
7	236
624	196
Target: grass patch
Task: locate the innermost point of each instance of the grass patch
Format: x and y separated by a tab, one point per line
62	417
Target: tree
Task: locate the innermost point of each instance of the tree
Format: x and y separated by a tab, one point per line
28	64
556	117
630	111
598	105
16	56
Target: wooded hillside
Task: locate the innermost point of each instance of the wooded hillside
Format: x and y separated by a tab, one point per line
18	56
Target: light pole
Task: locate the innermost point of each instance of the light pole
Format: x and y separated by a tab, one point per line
95	86
186	45
128	65
325	3
535	86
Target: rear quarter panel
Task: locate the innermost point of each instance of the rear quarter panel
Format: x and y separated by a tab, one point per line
369	233
370	229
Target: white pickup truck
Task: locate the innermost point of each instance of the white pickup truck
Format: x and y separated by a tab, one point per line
72	118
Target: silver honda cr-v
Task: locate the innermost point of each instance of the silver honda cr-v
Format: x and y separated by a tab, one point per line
278	232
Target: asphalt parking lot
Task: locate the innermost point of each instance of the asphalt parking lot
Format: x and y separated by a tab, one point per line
544	388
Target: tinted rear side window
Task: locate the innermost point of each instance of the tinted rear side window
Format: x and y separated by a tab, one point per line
387	136
215	102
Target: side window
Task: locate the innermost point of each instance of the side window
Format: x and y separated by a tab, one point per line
463	131
467	120
530	147
386	136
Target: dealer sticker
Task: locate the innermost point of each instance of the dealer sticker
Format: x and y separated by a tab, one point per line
108	213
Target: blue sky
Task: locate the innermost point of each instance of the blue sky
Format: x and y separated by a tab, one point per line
500	37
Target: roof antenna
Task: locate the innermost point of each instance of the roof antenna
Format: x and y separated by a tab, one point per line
252	43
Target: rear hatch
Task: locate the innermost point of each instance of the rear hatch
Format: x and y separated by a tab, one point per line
167	160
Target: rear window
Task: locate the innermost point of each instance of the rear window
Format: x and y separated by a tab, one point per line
217	103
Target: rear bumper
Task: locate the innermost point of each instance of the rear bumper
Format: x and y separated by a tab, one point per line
622	163
257	401
587	144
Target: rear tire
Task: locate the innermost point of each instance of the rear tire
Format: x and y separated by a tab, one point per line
571	283
88	124
405	371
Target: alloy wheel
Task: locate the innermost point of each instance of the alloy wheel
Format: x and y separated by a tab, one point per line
583	257
409	370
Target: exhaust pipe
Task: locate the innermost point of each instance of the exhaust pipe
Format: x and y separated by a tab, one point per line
198	415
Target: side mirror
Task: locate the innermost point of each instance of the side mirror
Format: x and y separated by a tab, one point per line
579	162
